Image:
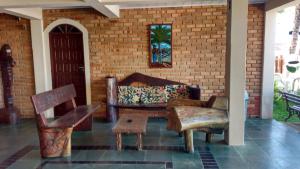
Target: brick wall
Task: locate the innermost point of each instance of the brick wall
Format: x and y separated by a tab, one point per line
256	23
120	47
16	33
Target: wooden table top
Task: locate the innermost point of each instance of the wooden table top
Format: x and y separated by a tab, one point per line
131	123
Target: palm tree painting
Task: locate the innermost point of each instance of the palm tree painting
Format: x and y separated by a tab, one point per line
161	45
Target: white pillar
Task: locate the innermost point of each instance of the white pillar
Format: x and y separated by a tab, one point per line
236	68
38	49
39	59
268	65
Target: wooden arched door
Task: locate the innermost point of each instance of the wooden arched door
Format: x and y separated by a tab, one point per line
67	62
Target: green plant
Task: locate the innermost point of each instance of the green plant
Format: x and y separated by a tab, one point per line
277	92
279	106
280	112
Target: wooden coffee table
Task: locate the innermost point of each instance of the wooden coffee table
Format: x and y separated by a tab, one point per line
130	123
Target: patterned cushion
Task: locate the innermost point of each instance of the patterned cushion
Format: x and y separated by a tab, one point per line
129	94
177	91
153	94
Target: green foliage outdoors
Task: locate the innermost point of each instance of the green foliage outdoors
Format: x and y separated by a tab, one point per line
280	113
279	107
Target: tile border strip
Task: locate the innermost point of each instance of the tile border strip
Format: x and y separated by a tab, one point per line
168	164
206	157
16	156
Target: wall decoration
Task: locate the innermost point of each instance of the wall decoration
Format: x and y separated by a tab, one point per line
160	46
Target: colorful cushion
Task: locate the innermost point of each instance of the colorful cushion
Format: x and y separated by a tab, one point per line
177	91
129	94
153	95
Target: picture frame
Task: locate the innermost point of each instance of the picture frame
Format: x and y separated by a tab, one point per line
160	46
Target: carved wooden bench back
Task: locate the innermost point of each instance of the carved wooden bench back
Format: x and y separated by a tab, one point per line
52	98
139	80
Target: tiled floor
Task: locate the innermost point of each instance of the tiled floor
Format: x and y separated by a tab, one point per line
269	145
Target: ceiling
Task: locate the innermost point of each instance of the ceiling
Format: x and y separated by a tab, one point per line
123	4
32	9
169	3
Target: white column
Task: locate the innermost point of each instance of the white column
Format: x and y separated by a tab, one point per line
268	65
236	68
39	59
38	50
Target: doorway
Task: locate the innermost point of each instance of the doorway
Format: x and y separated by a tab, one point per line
67	62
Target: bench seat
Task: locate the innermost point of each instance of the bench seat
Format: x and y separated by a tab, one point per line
208	116
292	104
74	117
146	89
190	117
297	108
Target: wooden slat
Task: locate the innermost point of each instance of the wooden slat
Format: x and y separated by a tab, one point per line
49	99
292	97
74	117
147	80
297	108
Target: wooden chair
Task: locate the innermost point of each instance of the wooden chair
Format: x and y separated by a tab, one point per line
55	136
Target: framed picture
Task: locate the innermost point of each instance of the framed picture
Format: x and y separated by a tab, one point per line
160	45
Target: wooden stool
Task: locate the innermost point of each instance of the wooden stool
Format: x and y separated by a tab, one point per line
130	123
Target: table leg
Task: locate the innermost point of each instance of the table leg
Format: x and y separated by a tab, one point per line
188	138
208	137
119	141
139	141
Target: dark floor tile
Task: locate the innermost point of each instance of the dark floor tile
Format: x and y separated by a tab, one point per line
269	144
154	155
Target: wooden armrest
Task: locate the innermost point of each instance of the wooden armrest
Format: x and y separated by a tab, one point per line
189	102
185	102
74	117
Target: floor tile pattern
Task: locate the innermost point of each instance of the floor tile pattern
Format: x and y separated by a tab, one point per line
268	145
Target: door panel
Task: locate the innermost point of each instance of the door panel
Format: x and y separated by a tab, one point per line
67	63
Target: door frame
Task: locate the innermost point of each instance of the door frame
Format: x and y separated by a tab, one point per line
47	63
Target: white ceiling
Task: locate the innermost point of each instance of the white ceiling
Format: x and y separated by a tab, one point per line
168	3
123	4
32	9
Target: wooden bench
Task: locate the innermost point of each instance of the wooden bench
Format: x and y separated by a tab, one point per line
55	136
292	104
140	80
194	115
